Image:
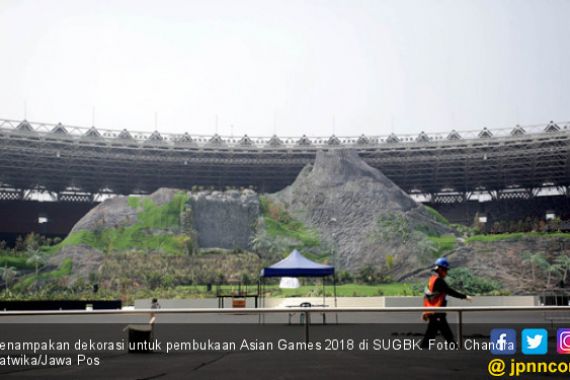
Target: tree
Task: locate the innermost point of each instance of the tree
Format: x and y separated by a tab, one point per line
391	226
464	279
268	245
424	246
32	242
245	279
552	269
563	261
367	274
19	245
261	243
345	277
535	260
36	259
8	275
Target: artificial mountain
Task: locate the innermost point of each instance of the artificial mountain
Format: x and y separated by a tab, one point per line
339	210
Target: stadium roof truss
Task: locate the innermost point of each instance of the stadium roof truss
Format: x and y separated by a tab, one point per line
76	162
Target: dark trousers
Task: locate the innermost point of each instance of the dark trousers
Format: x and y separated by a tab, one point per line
437	323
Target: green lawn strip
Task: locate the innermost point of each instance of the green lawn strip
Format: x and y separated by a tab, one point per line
344	290
17	262
443	244
489	238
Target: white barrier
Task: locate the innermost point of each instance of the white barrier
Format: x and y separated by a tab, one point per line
343	302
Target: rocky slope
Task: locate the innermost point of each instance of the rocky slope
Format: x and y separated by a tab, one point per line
347	201
169	222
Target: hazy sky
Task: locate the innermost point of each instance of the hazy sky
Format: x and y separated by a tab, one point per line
286	66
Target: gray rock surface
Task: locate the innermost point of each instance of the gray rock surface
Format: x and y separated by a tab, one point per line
342	197
113	212
85	260
225	219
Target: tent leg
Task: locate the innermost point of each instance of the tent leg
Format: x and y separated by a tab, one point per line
258	292
261	289
324	301
334	293
307	322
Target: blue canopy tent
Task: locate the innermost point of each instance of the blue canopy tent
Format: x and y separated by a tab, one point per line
297	265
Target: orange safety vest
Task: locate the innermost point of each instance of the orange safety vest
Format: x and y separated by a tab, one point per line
431	298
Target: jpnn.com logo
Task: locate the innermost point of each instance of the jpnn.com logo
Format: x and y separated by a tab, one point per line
503	341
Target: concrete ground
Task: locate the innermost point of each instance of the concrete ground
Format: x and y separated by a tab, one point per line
263	365
462	365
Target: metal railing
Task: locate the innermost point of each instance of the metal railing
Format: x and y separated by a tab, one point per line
254	142
306	311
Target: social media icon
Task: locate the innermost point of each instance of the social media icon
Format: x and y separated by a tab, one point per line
563	341
503	341
534	341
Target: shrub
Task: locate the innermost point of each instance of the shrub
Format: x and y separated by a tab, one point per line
465	281
436	215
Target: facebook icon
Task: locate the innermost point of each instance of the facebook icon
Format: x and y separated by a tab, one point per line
503	342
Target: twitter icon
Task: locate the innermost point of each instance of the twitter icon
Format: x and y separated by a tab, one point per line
534	341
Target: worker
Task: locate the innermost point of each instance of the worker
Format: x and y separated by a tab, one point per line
435	296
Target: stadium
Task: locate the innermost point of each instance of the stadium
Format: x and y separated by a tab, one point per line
394	202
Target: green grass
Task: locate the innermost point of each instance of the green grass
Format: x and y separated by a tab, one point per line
79	238
199	291
294	229
344	290
279	223
516	236
437	216
148	233
443	244
323	257
133	237
164	216
17	262
63	270
134	201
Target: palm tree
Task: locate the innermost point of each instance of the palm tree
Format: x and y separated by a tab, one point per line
564	262
526	259
393	225
553	269
264	243
535	260
8	275
36	259
425	247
